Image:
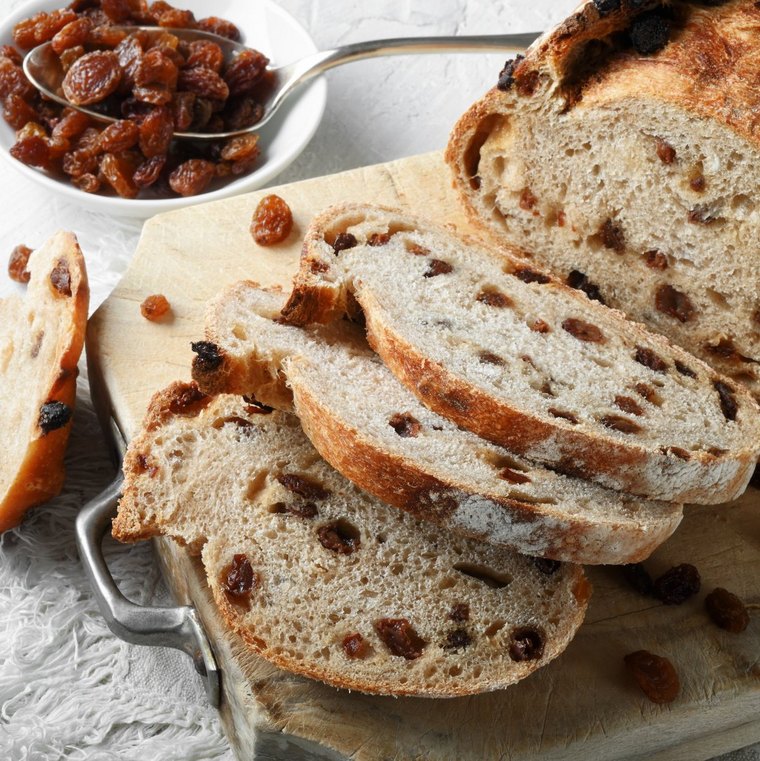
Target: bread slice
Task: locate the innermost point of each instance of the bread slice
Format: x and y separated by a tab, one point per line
324	580
632	176
376	433
41	338
513	355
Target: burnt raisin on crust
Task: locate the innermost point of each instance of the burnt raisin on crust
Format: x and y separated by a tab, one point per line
650	32
605	7
54	415
650	359
507	74
209	355
527	275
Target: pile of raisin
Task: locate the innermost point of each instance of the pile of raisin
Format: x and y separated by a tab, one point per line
153	82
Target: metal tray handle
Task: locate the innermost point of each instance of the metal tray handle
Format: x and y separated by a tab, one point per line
177	627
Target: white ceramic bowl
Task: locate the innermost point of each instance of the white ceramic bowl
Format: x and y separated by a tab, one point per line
280	37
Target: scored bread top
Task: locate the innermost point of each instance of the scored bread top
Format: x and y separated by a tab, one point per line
41	339
510	353
326	581
376	433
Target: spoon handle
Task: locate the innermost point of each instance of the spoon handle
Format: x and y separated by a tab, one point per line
301	71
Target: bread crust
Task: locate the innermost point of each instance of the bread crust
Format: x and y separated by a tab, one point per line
41	474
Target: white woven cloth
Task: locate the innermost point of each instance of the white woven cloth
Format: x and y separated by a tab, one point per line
68	688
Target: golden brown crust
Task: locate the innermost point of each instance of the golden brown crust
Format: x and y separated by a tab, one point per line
41	474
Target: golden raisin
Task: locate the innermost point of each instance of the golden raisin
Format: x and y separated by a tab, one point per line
92	78
17	264
727	610
192	177
272	221
655	676
155	307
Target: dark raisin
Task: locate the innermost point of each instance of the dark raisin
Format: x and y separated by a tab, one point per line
17	264
494	298
649	33
489	358
613	236
219	26
156	133
54	415
697	183
727	610
437	267
303	486
355	646
583	331
118	170
621	424
32	151
17	112
177	19
685	369
631	406
192	177
156	68
13	81
728	405
677	585
155	307
507	74
655	675
60	278
272	221
458	639
9	52
205	53
665	151
339	536
244	73
238	578
580	282
209	355
344	241
656	260
203	82
526	644
645	391
605	7
242	112
460	612
528	275
92	78
148	172
242	151
638	577
674	303
650	359
189	402
400	638
119	136
255	407
563	415
513	476
405	425
546	566
306	510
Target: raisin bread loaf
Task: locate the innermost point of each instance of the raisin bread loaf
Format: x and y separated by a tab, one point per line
621	153
326	581
376	433
510	353
41	338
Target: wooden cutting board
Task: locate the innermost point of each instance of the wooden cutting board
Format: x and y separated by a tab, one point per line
583	705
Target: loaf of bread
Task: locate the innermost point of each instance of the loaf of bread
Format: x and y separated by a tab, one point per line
513	355
41	338
620	153
376	433
326	581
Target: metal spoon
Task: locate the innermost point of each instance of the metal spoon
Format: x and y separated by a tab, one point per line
43	68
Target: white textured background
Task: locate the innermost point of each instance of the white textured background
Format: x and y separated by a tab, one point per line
68	689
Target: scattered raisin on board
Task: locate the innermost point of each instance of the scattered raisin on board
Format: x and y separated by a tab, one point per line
655	675
727	611
677	585
155	307
272	221
17	264
154	83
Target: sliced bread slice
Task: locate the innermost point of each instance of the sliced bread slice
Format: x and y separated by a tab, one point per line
629	171
41	338
512	354
326	581
376	433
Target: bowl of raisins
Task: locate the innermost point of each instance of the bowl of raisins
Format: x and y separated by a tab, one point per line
154	84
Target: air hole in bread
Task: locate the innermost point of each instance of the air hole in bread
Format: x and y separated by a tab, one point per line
489	126
488	576
405	425
563	415
500	461
447	582
494	628
476	672
620	424
416	249
455	671
240	332
530	500
718	299
331	233
340	536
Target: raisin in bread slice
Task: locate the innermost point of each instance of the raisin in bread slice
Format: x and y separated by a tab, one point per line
326	581
375	432
517	357
41	338
631	175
